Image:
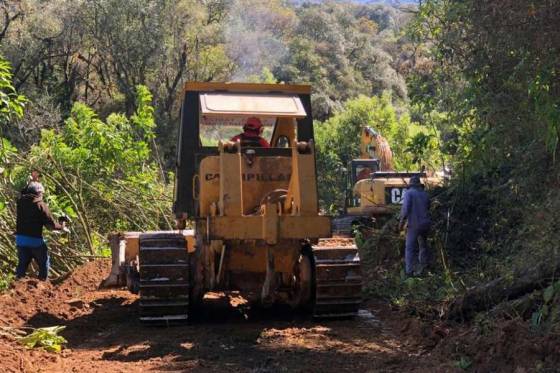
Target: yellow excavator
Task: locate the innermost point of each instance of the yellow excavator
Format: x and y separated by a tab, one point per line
254	214
374	191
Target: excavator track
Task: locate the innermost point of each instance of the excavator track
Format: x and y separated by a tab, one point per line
338	279
164	278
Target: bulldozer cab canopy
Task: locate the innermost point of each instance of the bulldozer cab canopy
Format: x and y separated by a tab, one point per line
217	111
254	104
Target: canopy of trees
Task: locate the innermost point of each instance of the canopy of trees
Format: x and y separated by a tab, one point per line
98	51
99	173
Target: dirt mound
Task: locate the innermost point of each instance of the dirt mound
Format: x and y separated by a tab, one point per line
336	242
29	297
31	302
501	346
88	276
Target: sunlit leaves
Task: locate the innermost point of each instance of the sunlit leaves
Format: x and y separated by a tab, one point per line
11	103
46	338
101	148
344	50
100	172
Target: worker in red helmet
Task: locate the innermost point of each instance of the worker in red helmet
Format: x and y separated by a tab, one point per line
251	135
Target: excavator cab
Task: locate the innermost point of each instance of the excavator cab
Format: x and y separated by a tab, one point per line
253	212
358	169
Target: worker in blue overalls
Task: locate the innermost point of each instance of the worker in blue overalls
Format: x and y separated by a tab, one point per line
415	212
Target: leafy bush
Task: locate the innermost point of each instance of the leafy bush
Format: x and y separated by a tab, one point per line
498	86
100	173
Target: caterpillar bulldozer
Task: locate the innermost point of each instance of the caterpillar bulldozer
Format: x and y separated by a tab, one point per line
253	211
374	191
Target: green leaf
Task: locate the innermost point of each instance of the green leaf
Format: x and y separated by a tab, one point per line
548	294
70	211
46	338
464	363
536	318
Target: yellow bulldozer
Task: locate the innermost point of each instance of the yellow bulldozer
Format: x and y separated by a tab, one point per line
253	211
374	191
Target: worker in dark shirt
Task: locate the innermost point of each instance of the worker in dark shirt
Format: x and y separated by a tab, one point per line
416	212
251	135
32	215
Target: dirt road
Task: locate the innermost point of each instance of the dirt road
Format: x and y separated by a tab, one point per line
104	335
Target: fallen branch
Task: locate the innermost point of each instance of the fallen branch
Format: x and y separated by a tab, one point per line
502	289
11	333
521	307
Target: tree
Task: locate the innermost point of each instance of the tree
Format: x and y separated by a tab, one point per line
256	34
340	50
490	69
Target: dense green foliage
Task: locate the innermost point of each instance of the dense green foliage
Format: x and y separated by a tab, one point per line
485	88
11	103
498	83
100	173
97	52
489	83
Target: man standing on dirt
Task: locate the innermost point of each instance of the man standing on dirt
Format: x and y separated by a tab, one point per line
32	215
416	212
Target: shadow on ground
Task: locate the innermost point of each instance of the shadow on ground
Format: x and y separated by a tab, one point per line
225	338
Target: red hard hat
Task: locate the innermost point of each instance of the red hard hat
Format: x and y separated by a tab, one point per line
253	124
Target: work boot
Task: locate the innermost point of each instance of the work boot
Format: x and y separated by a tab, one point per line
410	275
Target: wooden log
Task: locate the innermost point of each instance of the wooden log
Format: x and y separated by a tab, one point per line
502	289
521	307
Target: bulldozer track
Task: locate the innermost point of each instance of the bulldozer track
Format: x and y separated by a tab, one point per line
338	280
164	278
342	226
